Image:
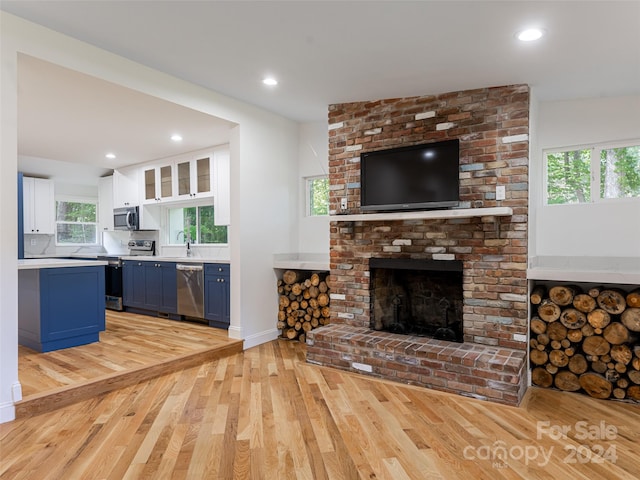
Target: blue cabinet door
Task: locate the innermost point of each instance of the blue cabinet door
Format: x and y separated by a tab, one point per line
133	284
169	298
160	287
152	285
217	295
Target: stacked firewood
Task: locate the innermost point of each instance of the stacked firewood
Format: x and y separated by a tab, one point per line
303	304
586	341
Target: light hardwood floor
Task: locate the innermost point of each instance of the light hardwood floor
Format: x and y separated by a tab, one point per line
266	414
132	348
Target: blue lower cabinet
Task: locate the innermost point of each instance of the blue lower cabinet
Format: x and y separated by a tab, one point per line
149	285
133	284
60	307
217	295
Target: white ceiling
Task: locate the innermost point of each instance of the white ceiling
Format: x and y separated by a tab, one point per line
326	52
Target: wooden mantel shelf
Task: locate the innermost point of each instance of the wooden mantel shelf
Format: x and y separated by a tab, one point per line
425	215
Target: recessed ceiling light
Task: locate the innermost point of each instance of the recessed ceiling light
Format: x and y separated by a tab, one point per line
270	81
110	156
530	34
176	137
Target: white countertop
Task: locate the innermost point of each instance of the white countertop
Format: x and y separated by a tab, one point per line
38	263
301	261
157	258
619	270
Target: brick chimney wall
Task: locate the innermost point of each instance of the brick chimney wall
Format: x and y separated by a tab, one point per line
492	125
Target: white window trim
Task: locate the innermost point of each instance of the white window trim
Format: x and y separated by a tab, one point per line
169	242
77	199
595	148
307	194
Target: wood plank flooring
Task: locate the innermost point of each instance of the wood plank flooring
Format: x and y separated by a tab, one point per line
266	414
132	348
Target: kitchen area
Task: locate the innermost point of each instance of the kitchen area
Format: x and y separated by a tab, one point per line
150	212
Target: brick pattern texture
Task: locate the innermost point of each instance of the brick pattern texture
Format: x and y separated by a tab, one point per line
492	125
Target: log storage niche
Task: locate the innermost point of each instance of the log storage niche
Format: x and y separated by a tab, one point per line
303	303
586	340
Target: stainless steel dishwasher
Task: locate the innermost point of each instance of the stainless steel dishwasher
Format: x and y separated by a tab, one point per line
190	283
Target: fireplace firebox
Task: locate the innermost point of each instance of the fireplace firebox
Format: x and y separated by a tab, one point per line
417	297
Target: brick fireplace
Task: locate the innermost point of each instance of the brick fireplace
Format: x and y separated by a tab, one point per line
492	125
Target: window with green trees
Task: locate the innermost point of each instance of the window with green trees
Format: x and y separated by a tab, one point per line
195	225
317	196
76	222
593	173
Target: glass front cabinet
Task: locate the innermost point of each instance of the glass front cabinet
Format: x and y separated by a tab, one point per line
195	177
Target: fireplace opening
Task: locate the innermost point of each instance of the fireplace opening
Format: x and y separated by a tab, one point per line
417	297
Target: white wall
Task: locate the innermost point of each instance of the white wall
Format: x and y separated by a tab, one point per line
313	158
591	230
264	198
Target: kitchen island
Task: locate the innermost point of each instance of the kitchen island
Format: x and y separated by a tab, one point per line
61	302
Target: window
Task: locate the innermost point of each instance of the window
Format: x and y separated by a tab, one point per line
592	173
76	222
195	225
317	196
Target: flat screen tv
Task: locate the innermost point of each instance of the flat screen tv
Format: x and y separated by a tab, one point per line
418	177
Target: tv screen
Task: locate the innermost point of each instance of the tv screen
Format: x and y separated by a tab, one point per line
418	177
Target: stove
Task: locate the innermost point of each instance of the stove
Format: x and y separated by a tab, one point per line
113	271
142	247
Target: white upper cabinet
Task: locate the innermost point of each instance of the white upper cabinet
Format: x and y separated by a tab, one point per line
157	183
125	188
105	203
38	206
194	178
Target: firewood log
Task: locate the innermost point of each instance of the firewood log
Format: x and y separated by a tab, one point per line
551	368
567	381
612	301
537	294
622	383
556	331
290	277
622	354
302	337
555	344
543	339
599	366
291	333
323	299
574	336
634	376
573	318
595	385
315	279
584	303
595	291
630	318
578	364
616	333
563	294
633	392
598	318
296	289
619	393
323	287
633	298
549	311
542	378
587	330
635	363
595	345
558	358
538	325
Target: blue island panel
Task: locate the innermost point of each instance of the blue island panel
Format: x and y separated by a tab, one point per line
72	306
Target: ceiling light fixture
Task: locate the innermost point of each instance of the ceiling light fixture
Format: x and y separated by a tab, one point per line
110	156
530	34
270	81
176	138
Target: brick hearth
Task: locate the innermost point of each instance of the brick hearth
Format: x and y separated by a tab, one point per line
493	126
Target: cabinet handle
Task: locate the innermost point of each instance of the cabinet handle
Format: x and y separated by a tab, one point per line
219	269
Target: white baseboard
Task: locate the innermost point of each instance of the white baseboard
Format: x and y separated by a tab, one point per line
260	338
7	412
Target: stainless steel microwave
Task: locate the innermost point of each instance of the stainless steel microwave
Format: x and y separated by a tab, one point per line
127	218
